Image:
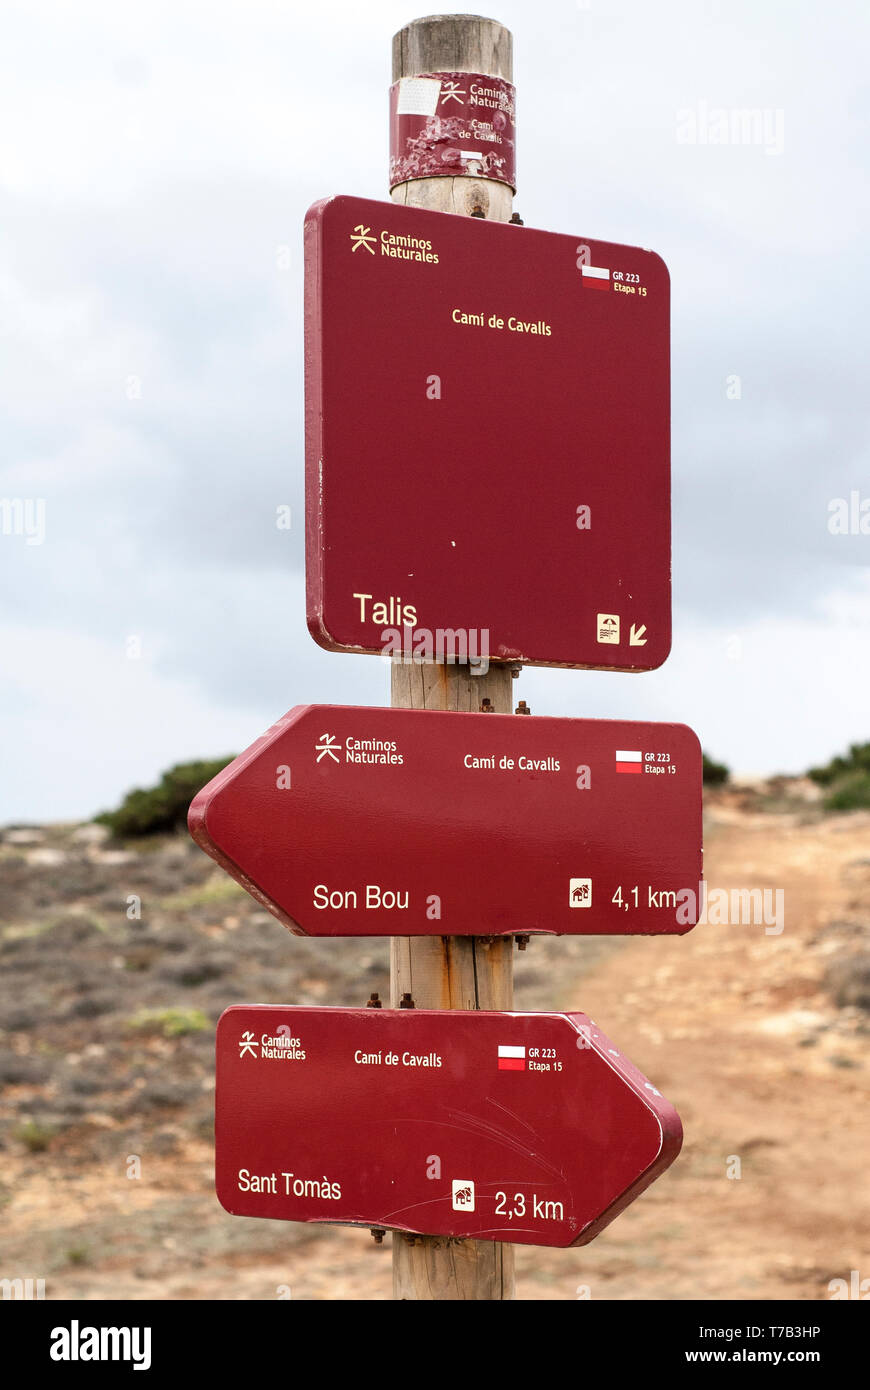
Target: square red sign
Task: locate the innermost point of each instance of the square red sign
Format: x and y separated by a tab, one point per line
487	440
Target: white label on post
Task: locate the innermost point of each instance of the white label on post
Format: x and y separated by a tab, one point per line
418	96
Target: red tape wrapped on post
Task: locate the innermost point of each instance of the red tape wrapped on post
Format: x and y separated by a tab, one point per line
450	123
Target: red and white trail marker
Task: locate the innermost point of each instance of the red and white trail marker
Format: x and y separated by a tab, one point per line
409	1119
511	1058
595	277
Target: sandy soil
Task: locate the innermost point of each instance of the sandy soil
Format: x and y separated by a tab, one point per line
759	1039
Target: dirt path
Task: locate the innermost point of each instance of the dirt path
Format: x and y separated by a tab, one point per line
738	1029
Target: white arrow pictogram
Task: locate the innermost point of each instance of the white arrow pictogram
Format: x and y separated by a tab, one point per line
636	637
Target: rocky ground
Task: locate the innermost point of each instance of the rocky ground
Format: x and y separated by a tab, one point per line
115	962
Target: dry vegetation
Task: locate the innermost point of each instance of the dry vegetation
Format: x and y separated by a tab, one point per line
106	1037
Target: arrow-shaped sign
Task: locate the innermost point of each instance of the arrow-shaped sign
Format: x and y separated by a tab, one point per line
525	1127
636	637
383	822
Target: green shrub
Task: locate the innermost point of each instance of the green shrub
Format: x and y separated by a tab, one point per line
856	760
35	1136
714	773
850	793
163	808
172	1023
847	778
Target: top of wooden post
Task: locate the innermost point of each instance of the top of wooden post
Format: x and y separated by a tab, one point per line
453	43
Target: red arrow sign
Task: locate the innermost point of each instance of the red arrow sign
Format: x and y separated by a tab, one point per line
530	1128
346	821
487	440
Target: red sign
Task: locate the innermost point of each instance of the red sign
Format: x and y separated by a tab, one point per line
445	123
487	440
525	1127
347	821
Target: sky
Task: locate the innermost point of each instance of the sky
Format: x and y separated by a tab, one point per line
156	164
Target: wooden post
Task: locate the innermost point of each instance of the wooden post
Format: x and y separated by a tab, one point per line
453	972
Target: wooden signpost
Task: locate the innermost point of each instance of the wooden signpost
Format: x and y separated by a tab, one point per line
534	442
453	972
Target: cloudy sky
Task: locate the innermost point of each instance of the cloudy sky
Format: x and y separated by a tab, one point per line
156	162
